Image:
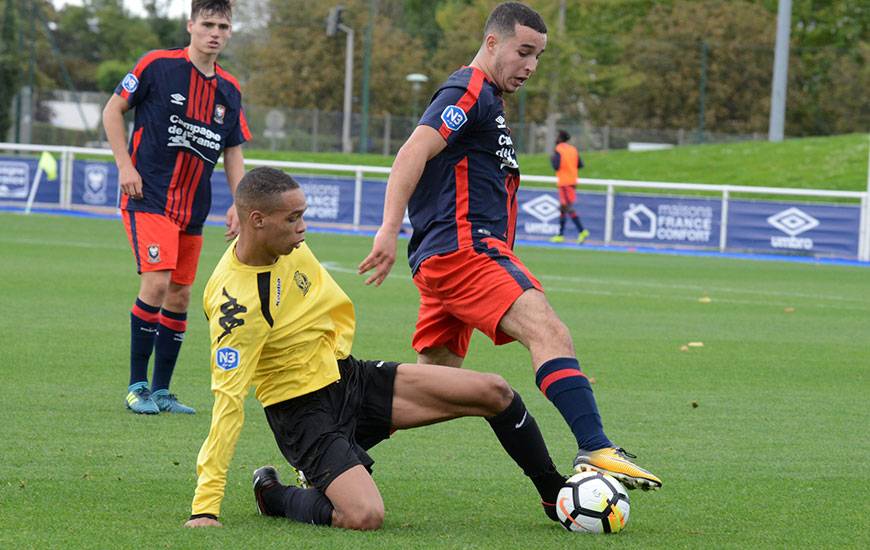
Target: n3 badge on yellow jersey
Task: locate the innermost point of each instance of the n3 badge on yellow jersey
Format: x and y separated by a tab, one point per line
227	358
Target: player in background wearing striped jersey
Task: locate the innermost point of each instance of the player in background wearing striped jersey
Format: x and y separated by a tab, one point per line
188	111
458	175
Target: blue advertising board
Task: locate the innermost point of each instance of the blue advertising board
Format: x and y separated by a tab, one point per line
673	221
765	226
538	214
16	177
794	228
94	183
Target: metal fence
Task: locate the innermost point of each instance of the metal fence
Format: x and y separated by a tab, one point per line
59	116
618	215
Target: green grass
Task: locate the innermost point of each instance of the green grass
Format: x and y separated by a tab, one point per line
774	455
832	163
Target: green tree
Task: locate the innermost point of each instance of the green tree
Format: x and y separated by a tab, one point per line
297	65
664	51
110	73
9	66
97	31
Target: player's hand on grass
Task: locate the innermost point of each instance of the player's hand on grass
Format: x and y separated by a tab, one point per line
203	522
381	258
130	182
232	223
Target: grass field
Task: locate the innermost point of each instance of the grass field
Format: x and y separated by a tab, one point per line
833	163
774	454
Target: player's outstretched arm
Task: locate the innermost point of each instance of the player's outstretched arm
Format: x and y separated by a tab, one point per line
113	122
410	161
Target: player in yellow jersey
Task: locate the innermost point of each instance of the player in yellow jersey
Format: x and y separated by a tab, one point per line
279	322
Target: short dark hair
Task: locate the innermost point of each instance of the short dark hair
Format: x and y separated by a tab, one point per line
217	7
259	187
563	136
505	16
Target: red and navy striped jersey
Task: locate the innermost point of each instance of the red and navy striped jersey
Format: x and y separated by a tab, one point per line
467	192
183	122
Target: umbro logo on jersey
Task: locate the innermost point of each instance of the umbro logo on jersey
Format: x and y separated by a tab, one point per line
500	121
177	99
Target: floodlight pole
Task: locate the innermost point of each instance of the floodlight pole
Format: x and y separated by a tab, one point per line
776	130
346	145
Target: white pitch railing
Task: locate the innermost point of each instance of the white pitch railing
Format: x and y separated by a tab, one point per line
67	154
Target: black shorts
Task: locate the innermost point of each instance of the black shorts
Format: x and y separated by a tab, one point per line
326	432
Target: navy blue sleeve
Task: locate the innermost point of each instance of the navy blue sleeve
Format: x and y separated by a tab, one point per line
452	112
556	160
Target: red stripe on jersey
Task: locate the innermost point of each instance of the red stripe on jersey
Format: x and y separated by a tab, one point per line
196	166
467	101
511	183
149	58
181	206
243	123
556	376
463	227
137	139
171	191
227	76
191	93
209	103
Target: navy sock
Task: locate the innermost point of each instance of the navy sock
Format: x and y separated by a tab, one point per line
561	224
568	389
170	335
302	505
520	436
143	329
576	219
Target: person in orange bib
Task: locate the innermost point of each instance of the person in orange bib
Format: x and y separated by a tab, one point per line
567	163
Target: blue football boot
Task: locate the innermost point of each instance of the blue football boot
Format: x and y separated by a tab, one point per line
168	402
139	399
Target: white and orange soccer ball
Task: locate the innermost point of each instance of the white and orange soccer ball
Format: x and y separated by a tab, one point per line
593	502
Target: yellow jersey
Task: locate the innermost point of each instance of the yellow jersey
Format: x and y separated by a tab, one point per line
280	328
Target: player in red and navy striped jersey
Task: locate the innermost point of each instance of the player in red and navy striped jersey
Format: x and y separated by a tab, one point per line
188	111
458	176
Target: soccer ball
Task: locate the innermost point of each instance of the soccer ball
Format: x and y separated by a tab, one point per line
593	502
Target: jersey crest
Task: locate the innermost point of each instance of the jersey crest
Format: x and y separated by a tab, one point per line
302	282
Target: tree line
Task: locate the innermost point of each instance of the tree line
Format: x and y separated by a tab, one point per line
631	63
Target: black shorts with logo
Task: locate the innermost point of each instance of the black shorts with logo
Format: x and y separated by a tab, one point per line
326	432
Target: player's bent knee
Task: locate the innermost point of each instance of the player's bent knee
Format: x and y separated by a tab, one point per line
360	518
498	394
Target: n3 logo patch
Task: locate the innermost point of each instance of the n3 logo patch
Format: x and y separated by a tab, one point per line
130	83
227	358
453	117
